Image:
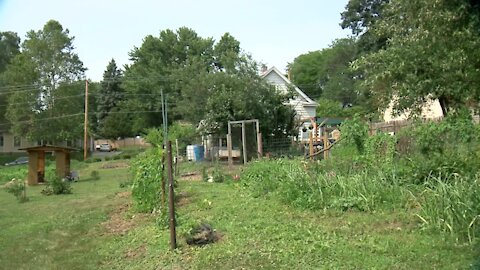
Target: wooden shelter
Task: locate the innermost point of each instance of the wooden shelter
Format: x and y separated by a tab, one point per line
36	162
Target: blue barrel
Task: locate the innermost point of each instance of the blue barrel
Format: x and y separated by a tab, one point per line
198	152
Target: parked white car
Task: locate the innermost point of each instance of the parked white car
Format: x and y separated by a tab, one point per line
105	147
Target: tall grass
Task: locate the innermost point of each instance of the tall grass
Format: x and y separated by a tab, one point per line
452	204
447	203
293	182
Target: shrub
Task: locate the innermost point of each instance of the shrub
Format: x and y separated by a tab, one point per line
108	158
126	156
147	180
217	175
57	186
116	157
97	159
17	188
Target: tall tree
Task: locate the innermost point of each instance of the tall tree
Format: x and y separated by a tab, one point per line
9	48
47	64
202	80
362	15
109	97
327	72
432	53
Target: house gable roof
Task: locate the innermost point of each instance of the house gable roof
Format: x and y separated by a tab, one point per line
286	82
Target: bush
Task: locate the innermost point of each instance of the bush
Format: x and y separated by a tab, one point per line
217	174
108	158
57	186
147	180
126	157
17	188
116	157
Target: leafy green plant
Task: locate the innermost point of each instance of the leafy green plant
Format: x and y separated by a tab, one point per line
56	186
355	132
147	180
17	188
204	174
217	175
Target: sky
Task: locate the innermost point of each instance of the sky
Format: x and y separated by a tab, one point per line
273	32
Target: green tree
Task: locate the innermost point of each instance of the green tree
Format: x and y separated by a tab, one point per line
432	53
48	65
156	65
362	15
327	72
109	97
9	48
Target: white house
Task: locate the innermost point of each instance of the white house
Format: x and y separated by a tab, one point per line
304	106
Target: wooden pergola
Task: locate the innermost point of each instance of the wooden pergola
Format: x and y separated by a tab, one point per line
36	162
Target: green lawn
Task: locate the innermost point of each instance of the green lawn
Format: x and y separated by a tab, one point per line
93	229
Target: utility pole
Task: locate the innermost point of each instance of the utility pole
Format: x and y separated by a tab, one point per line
85	135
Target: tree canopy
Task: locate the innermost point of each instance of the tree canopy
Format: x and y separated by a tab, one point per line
203	81
49	67
432	53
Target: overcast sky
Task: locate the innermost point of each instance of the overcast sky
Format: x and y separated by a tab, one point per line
273	32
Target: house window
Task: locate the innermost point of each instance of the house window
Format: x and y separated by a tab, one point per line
16	141
1	140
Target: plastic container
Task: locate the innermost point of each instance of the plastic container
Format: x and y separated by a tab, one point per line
190	152
198	152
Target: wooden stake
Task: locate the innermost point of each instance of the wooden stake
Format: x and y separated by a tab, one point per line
171	199
85	123
310	137
244	143
325	143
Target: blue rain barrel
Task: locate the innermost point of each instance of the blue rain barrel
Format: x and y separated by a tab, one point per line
198	152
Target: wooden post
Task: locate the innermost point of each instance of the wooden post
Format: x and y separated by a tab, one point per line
171	199
229	145
259	145
244	143
310	137
164	177
259	140
85	123
325	143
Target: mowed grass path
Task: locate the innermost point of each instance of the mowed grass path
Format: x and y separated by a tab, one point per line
58	231
68	232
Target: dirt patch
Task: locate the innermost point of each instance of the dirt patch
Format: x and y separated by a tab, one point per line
120	222
191	176
182	199
115	165
125	194
135	253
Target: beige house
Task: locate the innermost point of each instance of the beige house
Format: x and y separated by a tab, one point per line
12	144
430	110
